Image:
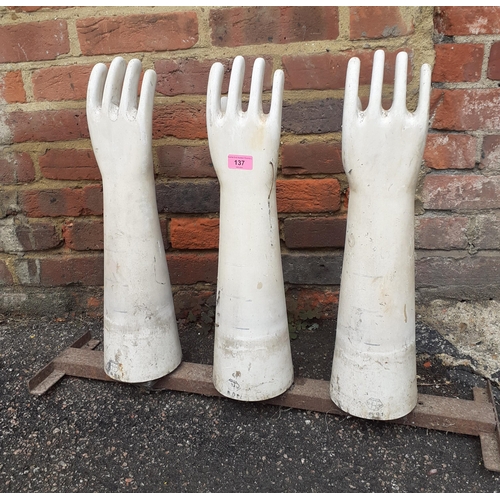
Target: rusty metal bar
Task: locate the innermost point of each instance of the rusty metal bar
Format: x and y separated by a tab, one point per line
490	441
476	417
51	374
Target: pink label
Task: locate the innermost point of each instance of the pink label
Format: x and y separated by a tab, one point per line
240	162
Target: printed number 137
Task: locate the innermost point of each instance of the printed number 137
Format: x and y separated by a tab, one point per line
240	162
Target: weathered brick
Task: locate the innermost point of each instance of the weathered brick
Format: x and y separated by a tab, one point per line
36	301
190	76
69	164
88	234
12	87
313	117
236	26
92	199
70	202
69	270
61	83
40	41
456	21
16	168
8	203
27	271
5	274
187	197
327	71
194	233
452	192
377	22
458	62
490	157
487	232
467	272
308	195
466	109
493	71
312	158
184	121
443	151
320	301
137	33
315	232
84	234
441	233
37	236
191	268
312	268
185	161
48	125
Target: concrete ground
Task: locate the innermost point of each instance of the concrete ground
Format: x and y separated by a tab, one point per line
91	436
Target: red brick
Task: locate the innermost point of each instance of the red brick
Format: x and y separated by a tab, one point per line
5	274
61	83
377	22
308	195
312	158
66	270
236	26
41	41
458	62
137	33
315	232
85	234
441	233
16	168
190	76
443	151
466	109
455	21
494	62
69	164
12	87
327	71
194	233
48	125
184	121
37	236
322	302
490	158
62	202
185	161
191	268
92	200
454	192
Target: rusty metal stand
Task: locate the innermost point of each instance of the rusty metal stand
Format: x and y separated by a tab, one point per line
476	417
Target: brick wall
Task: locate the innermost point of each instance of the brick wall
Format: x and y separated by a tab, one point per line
51	241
